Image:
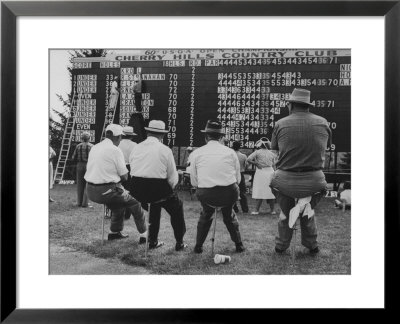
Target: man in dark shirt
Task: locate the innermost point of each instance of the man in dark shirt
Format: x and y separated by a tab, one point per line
81	155
301	140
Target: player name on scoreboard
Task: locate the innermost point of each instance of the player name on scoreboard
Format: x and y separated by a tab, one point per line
246	89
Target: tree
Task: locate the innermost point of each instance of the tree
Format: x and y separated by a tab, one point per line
56	128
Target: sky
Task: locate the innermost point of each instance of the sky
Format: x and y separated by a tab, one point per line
59	79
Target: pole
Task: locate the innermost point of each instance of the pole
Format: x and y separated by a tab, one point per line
213	236
147	233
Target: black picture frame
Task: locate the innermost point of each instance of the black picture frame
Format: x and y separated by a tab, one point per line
11	10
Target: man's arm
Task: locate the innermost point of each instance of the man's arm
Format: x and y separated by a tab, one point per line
172	174
237	167
119	160
274	139
193	172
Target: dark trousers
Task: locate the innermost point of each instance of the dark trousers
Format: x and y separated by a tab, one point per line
174	207
82	199
242	194
218	196
115	198
127	186
307	225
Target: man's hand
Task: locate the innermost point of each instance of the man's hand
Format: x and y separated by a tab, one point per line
124	177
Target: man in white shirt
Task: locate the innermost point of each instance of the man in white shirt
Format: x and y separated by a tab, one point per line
154	177
126	145
215	171
105	171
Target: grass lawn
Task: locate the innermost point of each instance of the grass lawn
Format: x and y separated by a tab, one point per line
80	229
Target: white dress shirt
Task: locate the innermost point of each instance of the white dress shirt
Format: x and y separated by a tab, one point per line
126	146
213	165
153	159
105	164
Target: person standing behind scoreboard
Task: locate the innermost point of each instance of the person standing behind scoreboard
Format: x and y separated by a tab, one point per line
81	155
242	185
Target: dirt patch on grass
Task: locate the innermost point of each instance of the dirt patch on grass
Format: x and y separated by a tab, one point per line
68	261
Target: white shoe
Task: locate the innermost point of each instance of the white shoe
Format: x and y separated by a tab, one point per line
255	213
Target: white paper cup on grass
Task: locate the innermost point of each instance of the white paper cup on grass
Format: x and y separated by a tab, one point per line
219	258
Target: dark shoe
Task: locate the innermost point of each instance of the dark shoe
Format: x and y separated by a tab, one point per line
117	236
198	249
180	246
279	251
314	251
142	240
51	199
240	248
245	211
88	206
155	245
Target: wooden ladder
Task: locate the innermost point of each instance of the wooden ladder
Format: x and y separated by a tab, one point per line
66	141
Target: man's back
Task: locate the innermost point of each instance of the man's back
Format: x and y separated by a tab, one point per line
214	165
152	159
126	147
105	164
301	139
242	160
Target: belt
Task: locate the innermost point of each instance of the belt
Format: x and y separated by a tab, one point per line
102	184
303	170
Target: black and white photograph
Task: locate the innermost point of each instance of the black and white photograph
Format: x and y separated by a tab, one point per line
200	161
205	158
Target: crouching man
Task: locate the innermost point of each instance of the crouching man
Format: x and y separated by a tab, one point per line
105	171
298	182
215	171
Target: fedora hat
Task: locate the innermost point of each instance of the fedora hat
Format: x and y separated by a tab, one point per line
301	96
128	130
214	127
156	126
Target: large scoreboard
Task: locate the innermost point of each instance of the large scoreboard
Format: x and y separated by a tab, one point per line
246	89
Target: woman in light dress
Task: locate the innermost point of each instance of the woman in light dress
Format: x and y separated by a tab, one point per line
263	159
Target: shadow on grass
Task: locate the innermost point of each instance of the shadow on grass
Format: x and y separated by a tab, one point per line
81	229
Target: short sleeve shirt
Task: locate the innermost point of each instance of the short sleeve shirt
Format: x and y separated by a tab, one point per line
214	165
106	163
301	139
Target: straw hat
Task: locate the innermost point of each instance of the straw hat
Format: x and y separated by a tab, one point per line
156	126
128	130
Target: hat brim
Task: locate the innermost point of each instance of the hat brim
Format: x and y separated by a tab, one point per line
156	130
302	102
212	131
128	134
